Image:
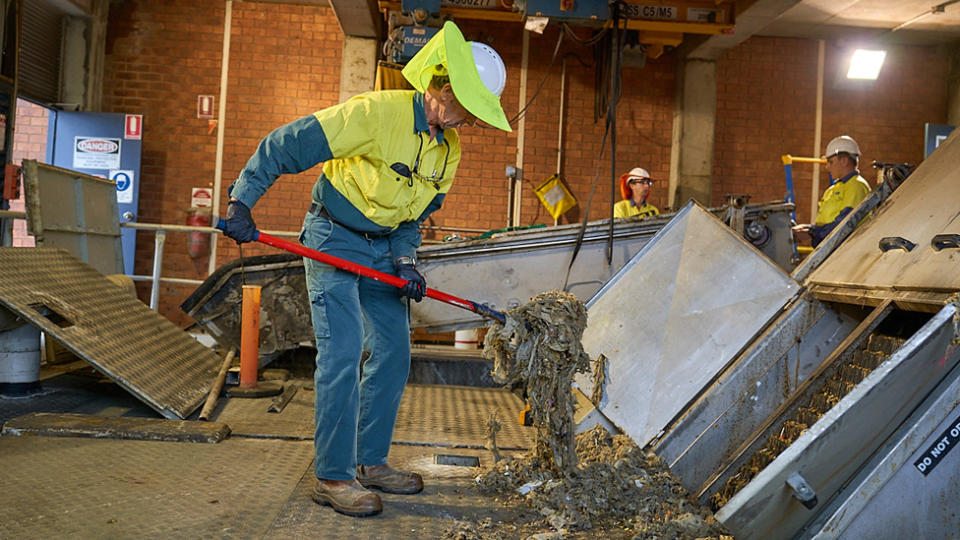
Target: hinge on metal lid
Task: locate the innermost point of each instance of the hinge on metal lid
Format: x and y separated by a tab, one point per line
802	490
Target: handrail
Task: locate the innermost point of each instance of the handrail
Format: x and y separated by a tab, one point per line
160	239
161	230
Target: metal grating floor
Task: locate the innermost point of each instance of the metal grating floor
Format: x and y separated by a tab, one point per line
446	496
96	320
456	416
432	415
94	488
255	484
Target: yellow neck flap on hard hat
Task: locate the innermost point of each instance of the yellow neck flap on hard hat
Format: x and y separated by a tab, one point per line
447	53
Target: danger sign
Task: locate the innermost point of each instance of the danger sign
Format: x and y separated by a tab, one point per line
201	197
96	153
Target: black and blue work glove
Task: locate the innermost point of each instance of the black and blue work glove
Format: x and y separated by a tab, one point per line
239	225
416	285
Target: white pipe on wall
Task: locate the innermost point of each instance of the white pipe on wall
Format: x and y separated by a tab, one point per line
221	114
516	193
815	189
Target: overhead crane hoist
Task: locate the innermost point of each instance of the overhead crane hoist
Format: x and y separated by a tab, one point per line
659	24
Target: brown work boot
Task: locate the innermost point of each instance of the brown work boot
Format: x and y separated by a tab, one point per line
348	498
389	480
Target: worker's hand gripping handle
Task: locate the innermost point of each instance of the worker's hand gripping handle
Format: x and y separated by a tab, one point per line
222	224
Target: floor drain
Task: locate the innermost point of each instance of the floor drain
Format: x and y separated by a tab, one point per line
459	461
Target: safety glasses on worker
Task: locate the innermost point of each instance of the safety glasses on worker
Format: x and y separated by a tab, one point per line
403	170
646	181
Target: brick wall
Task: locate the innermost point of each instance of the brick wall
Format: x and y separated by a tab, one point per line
29	142
766	107
285	63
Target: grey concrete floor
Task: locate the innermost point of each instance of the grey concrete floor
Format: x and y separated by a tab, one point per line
254	484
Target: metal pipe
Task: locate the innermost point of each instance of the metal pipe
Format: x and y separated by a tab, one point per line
516	183
157	267
442	228
563	83
181	281
221	118
10	214
193	228
211	402
817	133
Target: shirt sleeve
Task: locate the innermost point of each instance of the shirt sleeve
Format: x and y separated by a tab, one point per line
352	127
621	210
289	149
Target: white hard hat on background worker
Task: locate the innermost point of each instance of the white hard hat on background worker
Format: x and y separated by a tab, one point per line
843	143
477	73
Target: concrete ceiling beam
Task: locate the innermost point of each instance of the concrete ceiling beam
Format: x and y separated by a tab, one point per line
358	18
749	21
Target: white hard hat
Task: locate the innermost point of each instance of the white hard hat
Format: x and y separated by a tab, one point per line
638	172
490	67
842	143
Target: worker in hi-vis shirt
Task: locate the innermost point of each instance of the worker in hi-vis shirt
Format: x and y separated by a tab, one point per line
389	158
845	193
635	188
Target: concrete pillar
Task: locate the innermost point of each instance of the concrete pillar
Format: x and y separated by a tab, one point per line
358	66
695	117
96	52
73	63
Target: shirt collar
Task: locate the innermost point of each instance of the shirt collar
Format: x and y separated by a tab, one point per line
420	124
849	176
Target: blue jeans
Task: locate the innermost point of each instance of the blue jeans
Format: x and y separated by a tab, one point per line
354	413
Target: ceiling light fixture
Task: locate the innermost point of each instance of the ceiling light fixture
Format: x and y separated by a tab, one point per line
865	64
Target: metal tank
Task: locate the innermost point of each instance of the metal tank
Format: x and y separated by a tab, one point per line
839	417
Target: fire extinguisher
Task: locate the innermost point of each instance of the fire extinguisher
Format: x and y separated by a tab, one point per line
198	243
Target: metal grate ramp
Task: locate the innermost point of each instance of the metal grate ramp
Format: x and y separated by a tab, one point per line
96	320
876	349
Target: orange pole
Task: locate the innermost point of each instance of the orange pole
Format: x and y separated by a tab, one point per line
250	336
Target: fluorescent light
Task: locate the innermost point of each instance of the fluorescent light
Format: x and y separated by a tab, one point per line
866	64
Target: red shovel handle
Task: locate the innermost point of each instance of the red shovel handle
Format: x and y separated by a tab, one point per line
364	271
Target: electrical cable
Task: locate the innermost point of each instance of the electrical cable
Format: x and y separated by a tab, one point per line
543	81
616	62
616	92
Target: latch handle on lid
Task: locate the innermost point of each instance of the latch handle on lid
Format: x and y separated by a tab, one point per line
896	242
945	241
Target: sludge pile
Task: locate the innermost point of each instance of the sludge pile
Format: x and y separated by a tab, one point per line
591	481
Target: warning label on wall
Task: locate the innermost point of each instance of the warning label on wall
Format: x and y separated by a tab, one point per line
124	180
96	153
201	197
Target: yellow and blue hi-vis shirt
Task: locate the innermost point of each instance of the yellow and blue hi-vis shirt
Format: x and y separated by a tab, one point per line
382	172
847	192
839	200
627	208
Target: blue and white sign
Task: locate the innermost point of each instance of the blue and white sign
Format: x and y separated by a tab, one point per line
933	135
124	180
